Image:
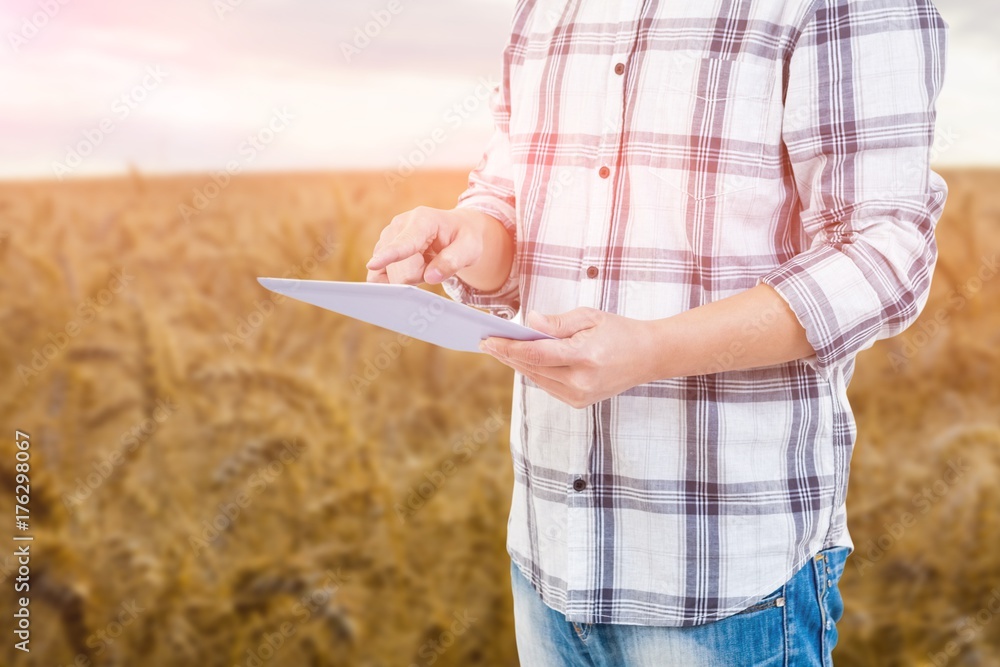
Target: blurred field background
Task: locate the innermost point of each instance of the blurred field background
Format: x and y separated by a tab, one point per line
218	479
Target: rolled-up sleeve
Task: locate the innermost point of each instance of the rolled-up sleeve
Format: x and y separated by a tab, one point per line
491	191
859	116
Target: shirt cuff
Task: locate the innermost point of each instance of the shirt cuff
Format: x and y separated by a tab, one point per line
833	301
491	206
503	302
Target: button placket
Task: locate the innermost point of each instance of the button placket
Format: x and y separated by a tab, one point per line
610	133
579	538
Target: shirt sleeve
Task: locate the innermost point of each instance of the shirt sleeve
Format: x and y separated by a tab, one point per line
491	191
858	126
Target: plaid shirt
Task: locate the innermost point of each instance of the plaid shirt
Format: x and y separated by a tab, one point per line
651	157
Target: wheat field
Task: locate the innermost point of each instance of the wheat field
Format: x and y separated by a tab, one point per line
221	479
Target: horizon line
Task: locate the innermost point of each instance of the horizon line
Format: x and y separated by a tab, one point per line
359	171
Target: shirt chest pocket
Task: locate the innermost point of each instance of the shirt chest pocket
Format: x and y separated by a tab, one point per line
716	126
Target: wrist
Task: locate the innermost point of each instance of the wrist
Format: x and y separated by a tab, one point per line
658	353
493	266
468	218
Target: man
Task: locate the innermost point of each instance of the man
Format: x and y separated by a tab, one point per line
714	206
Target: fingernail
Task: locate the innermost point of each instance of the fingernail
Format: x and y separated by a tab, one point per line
432	276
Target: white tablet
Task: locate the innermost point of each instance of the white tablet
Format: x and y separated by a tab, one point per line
406	309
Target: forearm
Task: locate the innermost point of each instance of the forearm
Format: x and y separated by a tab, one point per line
748	330
494	265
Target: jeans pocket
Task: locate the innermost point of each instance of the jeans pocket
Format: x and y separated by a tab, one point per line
769	601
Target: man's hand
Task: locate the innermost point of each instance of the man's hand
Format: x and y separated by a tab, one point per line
430	245
597	355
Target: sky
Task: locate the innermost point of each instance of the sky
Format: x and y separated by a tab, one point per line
92	87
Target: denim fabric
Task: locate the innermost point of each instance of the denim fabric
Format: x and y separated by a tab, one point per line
794	626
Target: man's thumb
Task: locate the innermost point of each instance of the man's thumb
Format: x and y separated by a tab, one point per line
450	260
563	325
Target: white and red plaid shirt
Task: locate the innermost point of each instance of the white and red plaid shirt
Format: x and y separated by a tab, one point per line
651	157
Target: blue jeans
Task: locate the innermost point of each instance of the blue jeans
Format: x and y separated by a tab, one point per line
794	626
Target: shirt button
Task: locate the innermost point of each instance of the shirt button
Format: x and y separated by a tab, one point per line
579	484
619	69
592	272
604	172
